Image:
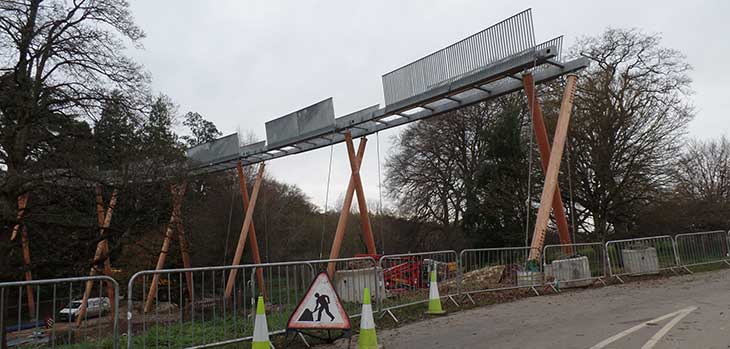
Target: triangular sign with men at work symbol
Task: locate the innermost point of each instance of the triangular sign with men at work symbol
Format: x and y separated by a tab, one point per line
320	308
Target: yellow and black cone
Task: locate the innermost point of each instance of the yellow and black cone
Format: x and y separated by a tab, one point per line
367	339
260	327
434	300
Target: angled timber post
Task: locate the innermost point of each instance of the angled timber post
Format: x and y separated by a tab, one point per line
26	267
100	256
551	175
367	231
185	253
22	203
25	243
345	212
544	146
244	231
242	186
178	194
107	263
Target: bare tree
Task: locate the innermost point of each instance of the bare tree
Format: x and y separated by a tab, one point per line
699	197
58	63
424	173
466	169
631	112
703	171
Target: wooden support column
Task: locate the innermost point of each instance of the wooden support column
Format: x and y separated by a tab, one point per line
25	245
252	232
361	203
26	267
185	253
544	146
345	213
244	231
178	194
551	175
100	256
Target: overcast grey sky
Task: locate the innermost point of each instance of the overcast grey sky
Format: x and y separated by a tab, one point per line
241	63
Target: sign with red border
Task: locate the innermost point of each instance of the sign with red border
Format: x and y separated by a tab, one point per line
320	308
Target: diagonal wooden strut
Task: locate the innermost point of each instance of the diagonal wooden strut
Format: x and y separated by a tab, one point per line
244	231
252	232
367	231
102	252
22	202
551	175
25	244
107	263
174	226
544	146
345	212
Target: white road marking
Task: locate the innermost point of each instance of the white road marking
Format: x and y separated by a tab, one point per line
658	336
680	313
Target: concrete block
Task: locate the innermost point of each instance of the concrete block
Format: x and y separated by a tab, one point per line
350	283
571	272
640	261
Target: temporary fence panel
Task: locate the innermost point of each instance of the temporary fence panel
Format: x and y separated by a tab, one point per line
572	265
209	319
197	316
702	248
641	256
406	277
489	269
52	321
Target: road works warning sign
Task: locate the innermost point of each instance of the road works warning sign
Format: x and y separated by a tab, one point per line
320	308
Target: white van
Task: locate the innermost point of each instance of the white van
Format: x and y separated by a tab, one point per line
95	307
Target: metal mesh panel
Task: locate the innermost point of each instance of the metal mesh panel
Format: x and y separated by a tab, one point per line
301	123
222	148
557	42
500	41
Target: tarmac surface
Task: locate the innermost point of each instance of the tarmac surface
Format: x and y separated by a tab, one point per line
687	311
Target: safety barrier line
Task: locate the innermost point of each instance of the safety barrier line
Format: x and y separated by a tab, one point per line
406	282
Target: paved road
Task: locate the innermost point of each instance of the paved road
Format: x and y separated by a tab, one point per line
689	311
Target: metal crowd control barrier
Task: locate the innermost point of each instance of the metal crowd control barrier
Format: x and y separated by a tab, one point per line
573	265
492	269
200	316
406	278
207	318
50	321
641	256
702	248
